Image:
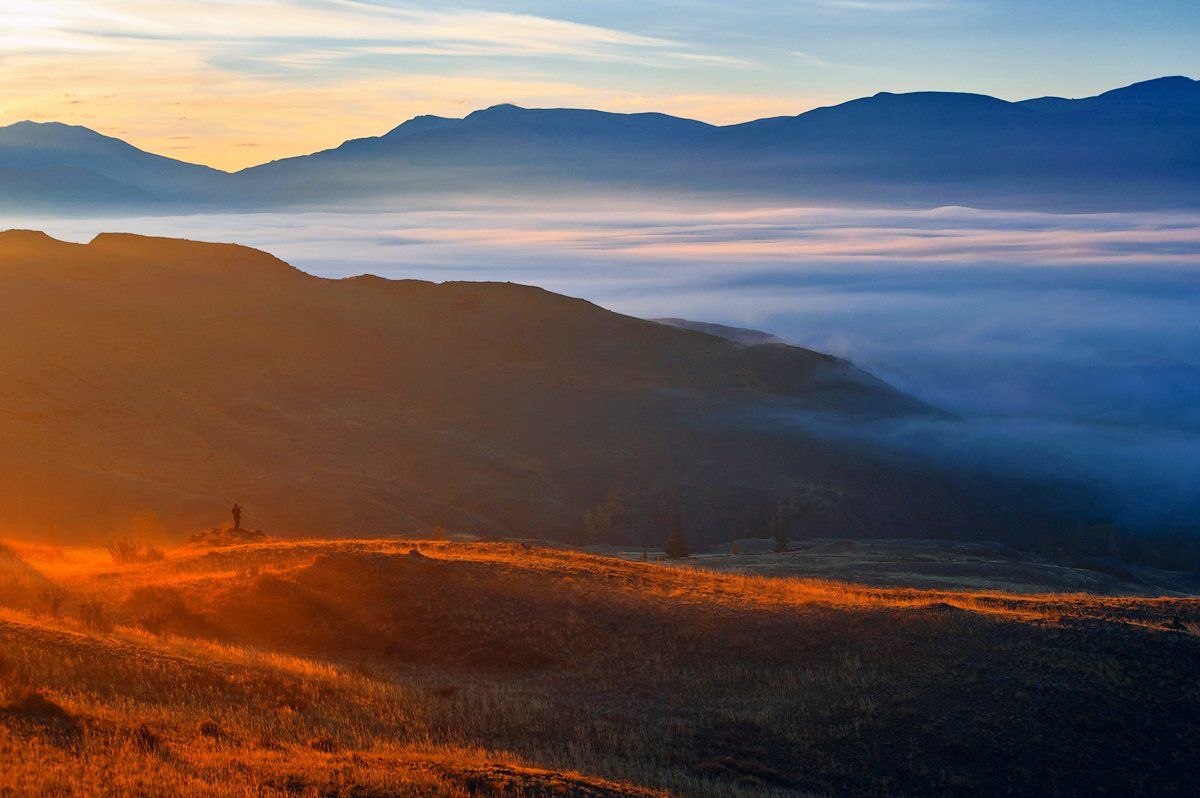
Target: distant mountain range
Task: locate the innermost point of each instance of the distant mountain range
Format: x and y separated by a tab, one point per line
1130	148
171	377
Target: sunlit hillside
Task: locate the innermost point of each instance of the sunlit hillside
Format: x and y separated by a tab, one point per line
394	668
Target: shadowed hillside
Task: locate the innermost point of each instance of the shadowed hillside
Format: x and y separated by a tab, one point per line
368	667
169	378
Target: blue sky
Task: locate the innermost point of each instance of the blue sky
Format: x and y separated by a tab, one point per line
235	83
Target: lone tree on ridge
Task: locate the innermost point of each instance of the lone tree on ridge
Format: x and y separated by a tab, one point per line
677	546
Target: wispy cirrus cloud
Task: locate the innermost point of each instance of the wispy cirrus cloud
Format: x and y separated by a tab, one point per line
889	6
810	59
324	29
72	24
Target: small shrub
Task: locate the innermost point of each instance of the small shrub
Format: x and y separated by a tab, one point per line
162	610
52	599
94	616
144	739
128	552
323	744
209	728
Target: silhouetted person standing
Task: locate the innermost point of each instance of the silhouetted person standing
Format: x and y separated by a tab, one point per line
237	517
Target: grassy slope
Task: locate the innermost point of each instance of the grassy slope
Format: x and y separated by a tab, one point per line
355	668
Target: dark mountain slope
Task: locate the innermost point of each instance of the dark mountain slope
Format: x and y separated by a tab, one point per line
971	149
497	149
1134	147
1170	95
176	377
66	188
54	163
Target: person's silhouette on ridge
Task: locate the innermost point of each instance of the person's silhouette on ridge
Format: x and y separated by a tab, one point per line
237	517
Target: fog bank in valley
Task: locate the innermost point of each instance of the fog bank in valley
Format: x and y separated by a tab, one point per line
1068	344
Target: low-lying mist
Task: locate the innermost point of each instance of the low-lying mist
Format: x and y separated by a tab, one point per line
1069	344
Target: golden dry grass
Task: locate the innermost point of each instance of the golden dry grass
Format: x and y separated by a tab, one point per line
355	668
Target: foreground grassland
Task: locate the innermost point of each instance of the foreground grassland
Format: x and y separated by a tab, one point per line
363	668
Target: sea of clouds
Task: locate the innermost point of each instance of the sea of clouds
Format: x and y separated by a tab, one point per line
1071	340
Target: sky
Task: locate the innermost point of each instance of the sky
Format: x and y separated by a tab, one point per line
232	84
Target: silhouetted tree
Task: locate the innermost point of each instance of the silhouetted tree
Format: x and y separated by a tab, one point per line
781	523
600	522
781	534
677	547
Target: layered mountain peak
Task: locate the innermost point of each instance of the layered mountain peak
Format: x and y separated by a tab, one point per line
25	139
51	128
420	124
582	121
60	166
1131	148
937	99
499	108
1173	90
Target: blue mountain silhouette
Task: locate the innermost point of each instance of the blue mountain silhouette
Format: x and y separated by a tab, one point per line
1133	147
